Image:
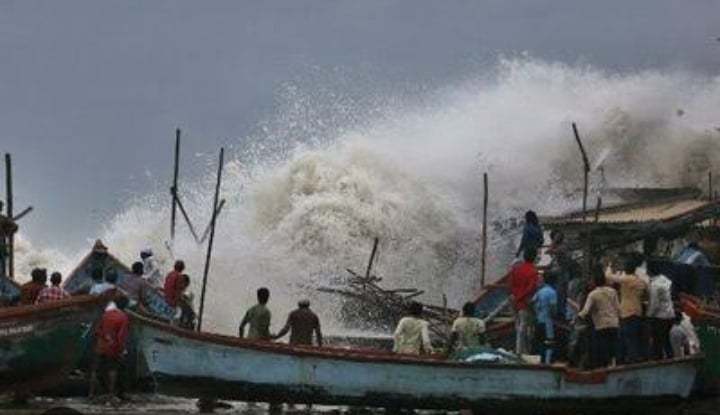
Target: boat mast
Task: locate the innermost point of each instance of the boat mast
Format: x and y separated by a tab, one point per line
174	188
210	241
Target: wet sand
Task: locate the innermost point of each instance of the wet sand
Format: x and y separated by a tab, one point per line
164	405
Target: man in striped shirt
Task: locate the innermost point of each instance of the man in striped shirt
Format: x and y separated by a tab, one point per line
54	292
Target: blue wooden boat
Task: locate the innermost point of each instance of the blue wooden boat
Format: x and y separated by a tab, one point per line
80	280
192	364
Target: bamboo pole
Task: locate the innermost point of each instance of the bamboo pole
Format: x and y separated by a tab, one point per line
371	261
9	211
483	257
187	218
586	172
589	238
710	186
207	229
22	214
586	169
174	188
212	238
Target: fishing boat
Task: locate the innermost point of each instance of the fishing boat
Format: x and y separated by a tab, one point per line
707	323
201	365
80	280
41	344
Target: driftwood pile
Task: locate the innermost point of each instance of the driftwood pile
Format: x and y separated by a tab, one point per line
386	307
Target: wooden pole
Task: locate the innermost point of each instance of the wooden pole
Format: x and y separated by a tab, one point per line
187	218
174	188
206	232
22	214
586	172
371	261
586	169
9	212
588	241
710	186
483	257
212	238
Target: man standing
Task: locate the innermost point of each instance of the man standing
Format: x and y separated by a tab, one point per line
152	272
603	306
660	311
171	288
258	317
545	302
111	336
133	284
301	324
7	229
523	283
30	290
633	290
412	335
532	237
54	292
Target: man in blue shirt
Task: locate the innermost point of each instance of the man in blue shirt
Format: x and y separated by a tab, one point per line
692	255
545	303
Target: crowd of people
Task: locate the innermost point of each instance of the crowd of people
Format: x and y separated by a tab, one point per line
626	314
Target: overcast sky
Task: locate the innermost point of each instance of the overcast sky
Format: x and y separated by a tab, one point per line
91	91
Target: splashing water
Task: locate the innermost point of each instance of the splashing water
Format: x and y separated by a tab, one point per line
309	191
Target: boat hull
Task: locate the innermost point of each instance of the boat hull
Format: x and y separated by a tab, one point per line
39	345
198	365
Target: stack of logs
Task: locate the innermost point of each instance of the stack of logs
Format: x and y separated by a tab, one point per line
393	304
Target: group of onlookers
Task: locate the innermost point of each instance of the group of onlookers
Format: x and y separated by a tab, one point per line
629	313
36	291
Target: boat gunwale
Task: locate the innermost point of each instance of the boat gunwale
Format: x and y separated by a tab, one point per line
36	310
374	356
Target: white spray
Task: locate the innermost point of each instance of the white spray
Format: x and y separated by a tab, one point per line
302	208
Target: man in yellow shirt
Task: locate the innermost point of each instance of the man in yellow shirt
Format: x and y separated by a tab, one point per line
633	291
603	307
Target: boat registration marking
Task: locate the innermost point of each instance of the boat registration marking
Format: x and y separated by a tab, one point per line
15	330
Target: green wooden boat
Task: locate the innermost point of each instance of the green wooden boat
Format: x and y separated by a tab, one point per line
41	344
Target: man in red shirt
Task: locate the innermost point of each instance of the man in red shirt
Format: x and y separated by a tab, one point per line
524	280
111	334
30	290
172	285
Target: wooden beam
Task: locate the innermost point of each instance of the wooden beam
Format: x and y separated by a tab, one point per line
368	270
9	211
187	218
586	168
208	256
586	172
22	214
174	188
207	229
483	254
710	186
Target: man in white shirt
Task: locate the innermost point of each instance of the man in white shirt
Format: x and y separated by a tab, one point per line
660	311
412	335
100	286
